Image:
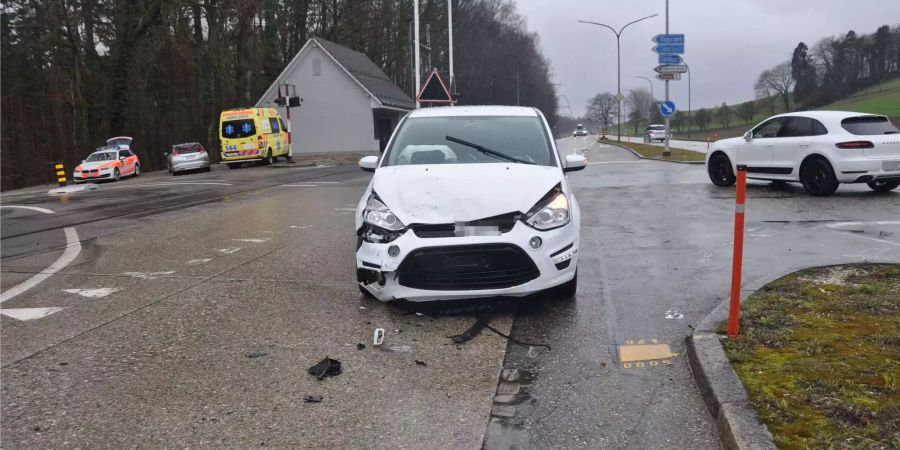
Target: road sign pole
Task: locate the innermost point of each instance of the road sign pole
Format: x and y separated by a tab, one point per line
619	88
416	26
666	151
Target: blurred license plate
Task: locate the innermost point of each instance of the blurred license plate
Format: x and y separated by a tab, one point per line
476	230
231	153
890	165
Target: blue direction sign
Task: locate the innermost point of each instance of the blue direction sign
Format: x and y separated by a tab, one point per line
668	39
667	108
669	48
669	59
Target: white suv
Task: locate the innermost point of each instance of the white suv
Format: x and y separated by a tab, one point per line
820	149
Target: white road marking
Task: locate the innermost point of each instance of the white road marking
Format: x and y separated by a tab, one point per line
301	227
29	313
199	261
868	238
326	182
229	250
674	314
73	248
148	275
857	224
255	241
72	188
298	185
93	293
33	208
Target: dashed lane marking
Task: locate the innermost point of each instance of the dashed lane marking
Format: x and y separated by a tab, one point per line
29	313
299	185
93	293
199	261
229	250
252	240
148	275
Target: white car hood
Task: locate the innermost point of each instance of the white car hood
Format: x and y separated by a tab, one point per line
94	164
448	193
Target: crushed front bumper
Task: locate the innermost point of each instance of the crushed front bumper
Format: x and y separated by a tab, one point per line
474	266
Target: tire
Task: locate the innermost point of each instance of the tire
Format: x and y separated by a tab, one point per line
137	170
883	185
269	159
116	174
364	292
720	171
234	165
207	169
170	170
818	177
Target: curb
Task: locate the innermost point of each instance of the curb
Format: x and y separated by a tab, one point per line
652	159
722	391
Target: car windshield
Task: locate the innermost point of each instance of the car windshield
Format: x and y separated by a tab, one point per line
423	140
869	125
102	156
185	148
657	128
233	129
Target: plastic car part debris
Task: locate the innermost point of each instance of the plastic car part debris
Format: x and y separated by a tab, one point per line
325	368
398	348
360	346
378	337
313	398
256	355
421	363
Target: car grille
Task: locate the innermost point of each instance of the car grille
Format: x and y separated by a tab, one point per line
504	222
467	267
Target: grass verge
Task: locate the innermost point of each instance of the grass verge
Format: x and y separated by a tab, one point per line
819	354
652	151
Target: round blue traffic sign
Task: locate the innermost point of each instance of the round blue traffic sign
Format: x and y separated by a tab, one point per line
667	108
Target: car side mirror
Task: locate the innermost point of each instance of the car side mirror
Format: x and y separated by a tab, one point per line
165	153
574	163
122	158
748	136
368	163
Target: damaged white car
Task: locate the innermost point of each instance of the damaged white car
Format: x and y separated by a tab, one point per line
468	202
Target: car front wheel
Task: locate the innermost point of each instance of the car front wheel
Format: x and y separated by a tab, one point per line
818	177
883	185
720	171
116	174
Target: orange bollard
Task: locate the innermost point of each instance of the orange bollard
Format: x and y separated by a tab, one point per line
734	311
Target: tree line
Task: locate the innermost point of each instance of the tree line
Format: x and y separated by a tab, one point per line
76	72
832	69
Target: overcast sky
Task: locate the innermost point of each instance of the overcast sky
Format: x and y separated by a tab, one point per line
728	42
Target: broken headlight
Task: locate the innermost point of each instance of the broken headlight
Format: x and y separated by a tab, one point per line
550	212
381	225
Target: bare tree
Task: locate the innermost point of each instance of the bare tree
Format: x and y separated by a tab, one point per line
777	81
641	103
602	109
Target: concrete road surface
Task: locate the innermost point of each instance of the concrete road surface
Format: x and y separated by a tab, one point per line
697	146
192	307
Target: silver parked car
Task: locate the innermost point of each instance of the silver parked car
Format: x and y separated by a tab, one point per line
189	156
655	132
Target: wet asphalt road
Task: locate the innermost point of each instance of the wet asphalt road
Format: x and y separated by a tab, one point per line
224	294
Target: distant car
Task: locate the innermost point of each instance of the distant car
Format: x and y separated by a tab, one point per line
108	163
820	149
468	202
580	130
655	132
189	156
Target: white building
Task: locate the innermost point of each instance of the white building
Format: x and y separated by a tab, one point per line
349	104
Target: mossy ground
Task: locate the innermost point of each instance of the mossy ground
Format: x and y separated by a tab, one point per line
653	151
819	354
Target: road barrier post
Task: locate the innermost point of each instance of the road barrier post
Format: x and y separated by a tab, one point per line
734	312
60	173
707	142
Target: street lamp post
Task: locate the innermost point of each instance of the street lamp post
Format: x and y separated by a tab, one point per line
618	65
652	97
689	98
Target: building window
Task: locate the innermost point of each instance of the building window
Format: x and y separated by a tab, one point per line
317	67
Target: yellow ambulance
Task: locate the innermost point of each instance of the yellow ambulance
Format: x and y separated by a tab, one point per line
252	134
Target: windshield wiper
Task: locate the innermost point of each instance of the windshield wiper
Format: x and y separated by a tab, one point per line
488	151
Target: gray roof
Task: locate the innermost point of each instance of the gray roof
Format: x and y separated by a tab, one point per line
368	74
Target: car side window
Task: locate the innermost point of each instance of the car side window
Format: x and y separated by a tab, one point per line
123	154
281	122
796	127
818	129
274	123
769	128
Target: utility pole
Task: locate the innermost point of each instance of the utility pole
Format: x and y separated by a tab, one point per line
666	151
418	69
450	30
517	88
618	34
689	98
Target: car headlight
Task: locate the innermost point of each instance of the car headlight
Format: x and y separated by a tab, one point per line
550	212
379	215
